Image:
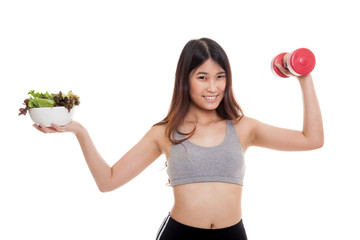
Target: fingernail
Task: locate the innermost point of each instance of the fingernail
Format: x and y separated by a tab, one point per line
40	126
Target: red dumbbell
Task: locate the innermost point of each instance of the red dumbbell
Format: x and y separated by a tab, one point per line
299	62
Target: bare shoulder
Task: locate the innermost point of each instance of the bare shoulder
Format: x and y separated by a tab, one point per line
157	130
245	123
157	134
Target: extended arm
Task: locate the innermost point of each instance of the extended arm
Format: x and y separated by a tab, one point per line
130	165
312	135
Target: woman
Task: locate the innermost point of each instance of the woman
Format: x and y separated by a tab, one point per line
204	137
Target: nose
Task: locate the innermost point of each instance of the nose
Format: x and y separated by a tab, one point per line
211	87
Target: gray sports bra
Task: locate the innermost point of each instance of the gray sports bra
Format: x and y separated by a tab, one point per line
191	163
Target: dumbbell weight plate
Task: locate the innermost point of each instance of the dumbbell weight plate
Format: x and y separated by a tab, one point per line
278	59
301	62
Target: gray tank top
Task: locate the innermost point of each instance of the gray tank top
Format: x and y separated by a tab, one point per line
191	163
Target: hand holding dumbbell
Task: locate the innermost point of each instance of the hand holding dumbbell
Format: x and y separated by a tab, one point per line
299	62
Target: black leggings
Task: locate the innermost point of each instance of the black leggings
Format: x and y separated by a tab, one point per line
170	229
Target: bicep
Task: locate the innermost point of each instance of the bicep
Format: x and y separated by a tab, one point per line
268	136
136	159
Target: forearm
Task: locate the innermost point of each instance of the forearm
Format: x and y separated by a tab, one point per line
312	123
100	170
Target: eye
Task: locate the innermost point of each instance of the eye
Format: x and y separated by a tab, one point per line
202	77
221	76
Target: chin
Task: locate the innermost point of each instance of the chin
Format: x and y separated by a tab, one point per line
211	108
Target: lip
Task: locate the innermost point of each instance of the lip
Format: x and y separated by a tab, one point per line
213	98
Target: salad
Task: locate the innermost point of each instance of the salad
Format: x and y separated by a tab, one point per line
39	100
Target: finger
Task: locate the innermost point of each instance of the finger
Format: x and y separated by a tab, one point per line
58	128
39	128
48	129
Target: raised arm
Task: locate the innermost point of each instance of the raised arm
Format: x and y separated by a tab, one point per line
130	165
312	135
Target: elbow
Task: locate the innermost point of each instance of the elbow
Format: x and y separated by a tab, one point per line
109	184
314	142
107	187
104	188
320	142
317	144
106	184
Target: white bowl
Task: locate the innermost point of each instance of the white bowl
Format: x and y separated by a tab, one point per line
47	115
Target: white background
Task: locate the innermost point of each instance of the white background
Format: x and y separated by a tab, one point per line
120	58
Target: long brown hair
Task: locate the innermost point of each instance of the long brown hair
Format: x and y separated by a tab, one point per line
195	53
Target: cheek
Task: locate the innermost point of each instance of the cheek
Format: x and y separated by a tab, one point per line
223	86
195	87
192	91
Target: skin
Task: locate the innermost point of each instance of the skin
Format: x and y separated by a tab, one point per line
209	205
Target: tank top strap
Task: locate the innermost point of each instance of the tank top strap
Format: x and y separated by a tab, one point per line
231	133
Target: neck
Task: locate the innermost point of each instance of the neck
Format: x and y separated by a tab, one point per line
201	116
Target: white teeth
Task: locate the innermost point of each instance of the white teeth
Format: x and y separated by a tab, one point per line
210	98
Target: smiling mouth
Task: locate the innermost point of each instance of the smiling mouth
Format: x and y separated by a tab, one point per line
211	98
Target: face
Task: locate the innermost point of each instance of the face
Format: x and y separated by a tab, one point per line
207	85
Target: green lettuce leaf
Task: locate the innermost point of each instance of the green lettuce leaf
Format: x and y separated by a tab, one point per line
40	95
40	102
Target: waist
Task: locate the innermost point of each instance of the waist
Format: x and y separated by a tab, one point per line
208	205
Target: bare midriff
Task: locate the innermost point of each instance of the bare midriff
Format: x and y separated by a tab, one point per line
208	205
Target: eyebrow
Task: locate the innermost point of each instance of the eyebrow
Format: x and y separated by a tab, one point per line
205	73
